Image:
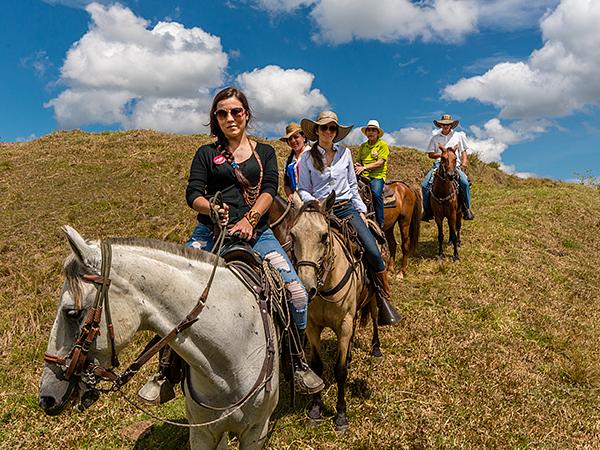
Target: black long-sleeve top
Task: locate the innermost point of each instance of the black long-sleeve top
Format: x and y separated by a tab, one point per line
207	177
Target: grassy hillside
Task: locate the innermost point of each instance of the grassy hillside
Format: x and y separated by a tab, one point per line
499	350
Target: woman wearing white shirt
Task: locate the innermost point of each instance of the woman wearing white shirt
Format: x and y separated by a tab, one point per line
328	167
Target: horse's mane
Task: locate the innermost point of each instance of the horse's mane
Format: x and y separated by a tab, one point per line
168	247
73	269
311	206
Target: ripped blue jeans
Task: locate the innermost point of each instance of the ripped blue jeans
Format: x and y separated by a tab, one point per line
267	246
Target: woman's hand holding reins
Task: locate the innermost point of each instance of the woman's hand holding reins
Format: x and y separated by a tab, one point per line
243	228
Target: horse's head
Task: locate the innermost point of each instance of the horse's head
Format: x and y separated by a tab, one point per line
311	235
64	377
448	161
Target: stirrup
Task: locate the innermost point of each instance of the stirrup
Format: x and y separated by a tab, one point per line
157	390
306	381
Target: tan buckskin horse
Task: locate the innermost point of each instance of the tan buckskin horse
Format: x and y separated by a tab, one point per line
336	283
407	214
444	200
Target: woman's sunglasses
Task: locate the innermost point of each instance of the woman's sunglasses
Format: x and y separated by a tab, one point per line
236	113
328	128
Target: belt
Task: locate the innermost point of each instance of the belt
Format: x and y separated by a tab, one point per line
341	203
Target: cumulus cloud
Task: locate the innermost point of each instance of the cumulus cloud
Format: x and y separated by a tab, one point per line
122	71
279	95
557	80
341	21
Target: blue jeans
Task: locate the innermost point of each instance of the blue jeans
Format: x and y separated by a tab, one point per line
463	181
372	253
202	238
377	192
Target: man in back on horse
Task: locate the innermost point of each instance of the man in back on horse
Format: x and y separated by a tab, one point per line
373	158
447	137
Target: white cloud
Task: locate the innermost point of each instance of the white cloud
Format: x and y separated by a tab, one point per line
341	21
415	137
123	72
557	80
278	96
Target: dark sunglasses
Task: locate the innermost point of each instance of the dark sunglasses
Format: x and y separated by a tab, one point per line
328	128
236	113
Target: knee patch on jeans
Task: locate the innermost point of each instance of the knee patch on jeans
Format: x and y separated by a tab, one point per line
298	295
277	261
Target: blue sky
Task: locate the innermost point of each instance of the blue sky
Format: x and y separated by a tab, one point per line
520	76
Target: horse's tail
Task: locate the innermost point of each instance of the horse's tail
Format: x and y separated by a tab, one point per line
365	314
415	222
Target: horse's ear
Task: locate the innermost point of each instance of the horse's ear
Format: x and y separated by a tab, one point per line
297	201
455	148
85	253
441	147
329	201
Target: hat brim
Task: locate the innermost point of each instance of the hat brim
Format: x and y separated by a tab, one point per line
290	134
310	129
364	130
439	123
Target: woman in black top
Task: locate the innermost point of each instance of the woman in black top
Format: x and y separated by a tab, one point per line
246	173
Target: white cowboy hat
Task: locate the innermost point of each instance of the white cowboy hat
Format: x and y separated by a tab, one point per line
290	130
446	120
325	117
372	124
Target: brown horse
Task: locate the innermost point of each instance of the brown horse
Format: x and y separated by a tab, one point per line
282	215
444	200
407	214
335	279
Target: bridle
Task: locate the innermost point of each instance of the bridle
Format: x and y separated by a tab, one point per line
324	264
442	174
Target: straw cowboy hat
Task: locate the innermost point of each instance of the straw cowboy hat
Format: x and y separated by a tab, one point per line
446	120
372	124
310	126
290	130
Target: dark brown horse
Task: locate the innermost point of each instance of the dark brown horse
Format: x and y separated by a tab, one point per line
282	215
407	214
444	200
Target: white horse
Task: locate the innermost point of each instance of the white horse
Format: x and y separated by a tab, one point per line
154	285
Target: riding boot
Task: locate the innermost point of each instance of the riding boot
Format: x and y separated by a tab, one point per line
159	387
305	380
467	213
387	314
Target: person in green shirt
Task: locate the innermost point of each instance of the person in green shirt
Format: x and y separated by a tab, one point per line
373	157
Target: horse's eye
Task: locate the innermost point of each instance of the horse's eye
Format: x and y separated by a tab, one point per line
73	313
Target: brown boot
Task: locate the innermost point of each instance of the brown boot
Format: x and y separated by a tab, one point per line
387	314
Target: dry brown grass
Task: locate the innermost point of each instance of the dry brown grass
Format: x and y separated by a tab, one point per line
500	350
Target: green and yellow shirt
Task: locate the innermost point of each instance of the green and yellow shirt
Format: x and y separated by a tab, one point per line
368	154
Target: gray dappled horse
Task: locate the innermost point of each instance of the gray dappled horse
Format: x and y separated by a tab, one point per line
153	286
337	285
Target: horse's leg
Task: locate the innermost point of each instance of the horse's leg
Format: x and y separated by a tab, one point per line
254	437
453	238
341	373
375	344
313	333
392	245
440	226
458	226
404	225
202	439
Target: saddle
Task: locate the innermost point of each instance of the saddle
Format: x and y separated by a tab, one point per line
389	199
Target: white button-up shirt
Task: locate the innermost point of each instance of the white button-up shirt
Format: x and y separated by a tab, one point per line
450	140
339	177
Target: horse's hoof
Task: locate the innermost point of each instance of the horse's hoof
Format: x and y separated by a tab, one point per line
314	414
456	258
376	353
341	424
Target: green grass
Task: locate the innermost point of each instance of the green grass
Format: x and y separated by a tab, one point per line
499	350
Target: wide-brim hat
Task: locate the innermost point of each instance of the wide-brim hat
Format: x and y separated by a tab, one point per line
372	124
310	126
446	120
290	130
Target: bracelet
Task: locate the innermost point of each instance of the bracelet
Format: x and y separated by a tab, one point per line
253	217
